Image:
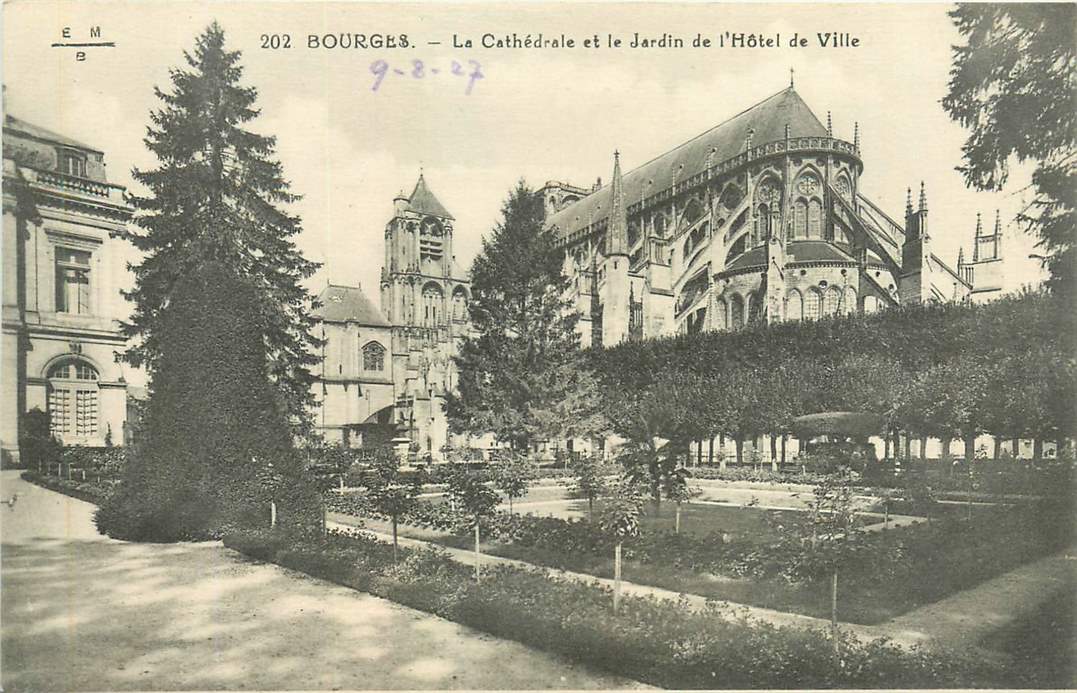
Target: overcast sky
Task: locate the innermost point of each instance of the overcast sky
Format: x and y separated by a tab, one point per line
536	114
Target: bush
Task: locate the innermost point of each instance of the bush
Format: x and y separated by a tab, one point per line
661	642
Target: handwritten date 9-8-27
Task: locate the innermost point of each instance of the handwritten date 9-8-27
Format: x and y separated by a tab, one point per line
418	70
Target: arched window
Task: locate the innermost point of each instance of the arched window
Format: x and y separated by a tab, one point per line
815	219
762	224
812	304
721	319
871	304
736	318
794	306
72	399
373	357
432	310
830	300
800	213
459	304
849	301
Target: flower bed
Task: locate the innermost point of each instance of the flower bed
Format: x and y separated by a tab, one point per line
660	642
895	571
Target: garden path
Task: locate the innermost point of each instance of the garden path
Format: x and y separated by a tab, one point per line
967	617
84	612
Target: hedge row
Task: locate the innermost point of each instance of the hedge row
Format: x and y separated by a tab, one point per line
944	371
89	491
663	643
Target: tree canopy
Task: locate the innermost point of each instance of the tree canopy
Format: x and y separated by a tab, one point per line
1012	85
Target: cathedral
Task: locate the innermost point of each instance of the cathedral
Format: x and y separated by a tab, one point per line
387	370
760	218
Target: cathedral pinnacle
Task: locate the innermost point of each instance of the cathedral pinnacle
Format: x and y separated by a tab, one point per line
979	225
618	219
908	202
829	125
923	198
748	139
790	77
856	136
998	222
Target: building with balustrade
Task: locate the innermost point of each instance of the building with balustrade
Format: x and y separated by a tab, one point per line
393	366
760	218
61	304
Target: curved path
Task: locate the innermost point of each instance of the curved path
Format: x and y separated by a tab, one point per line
83	612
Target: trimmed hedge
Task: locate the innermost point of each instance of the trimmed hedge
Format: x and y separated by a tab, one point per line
660	642
89	491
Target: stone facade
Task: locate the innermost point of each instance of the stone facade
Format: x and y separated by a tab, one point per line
423	317
61	305
759	218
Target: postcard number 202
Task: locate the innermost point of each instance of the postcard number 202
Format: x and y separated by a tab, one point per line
276	41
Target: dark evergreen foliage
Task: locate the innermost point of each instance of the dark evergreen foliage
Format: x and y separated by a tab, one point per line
519	374
1013	86
218	195
216	448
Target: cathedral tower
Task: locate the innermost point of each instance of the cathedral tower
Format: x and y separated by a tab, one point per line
985	271
915	282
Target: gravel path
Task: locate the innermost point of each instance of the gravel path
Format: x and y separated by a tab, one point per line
83	612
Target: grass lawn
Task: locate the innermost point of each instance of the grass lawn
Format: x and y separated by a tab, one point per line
1044	645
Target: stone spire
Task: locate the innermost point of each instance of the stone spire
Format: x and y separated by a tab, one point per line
908	203
617	229
829	125
748	139
976	238
856	136
923	198
998	222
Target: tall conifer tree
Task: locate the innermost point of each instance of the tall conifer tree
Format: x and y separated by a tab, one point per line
218	195
520	370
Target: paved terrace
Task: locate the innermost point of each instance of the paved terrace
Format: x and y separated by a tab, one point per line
84	612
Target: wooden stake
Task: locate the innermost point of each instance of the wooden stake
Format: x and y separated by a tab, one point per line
616	577
272	513
478	553
834	600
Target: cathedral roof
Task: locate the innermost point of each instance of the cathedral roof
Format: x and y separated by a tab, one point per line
767	119
424	202
348	304
14	124
796	251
